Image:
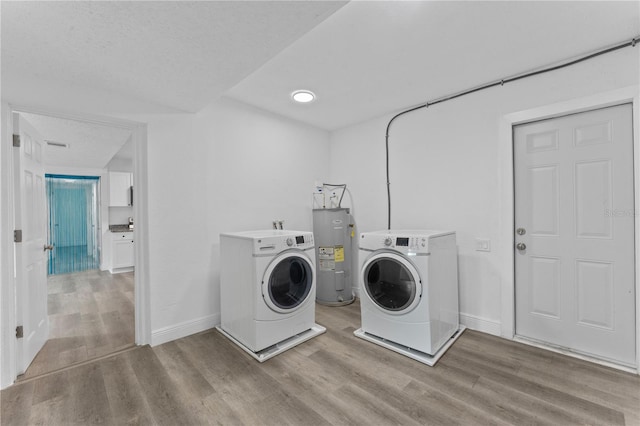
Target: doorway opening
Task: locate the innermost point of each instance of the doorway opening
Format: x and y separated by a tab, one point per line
575	273
509	229
74	215
90	310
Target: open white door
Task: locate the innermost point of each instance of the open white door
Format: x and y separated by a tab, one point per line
30	251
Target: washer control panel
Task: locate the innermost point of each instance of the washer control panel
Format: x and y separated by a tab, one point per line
302	241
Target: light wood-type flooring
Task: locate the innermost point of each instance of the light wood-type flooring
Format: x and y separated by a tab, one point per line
91	314
333	379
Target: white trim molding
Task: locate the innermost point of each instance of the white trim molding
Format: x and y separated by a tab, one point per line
484	325
8	314
506	181
8	371
141	253
187	328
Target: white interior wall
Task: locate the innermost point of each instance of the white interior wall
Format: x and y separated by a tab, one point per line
261	168
445	171
120	215
120	165
181	300
176	260
230	167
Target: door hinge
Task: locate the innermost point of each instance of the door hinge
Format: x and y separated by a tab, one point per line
19	332
17	236
16	141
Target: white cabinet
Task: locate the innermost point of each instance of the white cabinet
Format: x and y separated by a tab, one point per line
120	189
121	251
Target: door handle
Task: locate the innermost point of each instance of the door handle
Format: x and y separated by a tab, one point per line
48	247
521	246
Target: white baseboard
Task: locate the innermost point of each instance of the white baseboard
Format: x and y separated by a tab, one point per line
187	328
563	351
481	324
121	270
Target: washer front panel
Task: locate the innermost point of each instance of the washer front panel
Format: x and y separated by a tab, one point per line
391	282
288	281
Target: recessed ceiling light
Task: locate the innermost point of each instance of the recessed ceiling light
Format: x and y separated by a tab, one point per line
303	96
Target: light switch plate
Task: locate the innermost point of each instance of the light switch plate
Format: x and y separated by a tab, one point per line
483	244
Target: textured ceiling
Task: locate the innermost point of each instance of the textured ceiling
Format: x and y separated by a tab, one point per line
165	55
373	58
363	59
181	54
92	145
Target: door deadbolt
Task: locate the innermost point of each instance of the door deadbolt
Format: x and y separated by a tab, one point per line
521	246
521	231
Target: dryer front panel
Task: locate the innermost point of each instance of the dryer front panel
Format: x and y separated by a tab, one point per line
288	282
391	282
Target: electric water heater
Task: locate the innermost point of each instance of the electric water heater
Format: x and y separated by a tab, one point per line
333	233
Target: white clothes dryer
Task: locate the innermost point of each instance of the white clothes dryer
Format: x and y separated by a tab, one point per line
409	291
268	290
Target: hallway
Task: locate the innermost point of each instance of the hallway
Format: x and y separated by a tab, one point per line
91	314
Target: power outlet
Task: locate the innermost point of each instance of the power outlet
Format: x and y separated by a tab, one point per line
483	244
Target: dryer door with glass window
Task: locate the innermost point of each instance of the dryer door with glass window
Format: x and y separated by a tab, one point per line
391	282
288	282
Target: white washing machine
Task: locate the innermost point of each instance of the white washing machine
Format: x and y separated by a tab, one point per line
409	291
268	290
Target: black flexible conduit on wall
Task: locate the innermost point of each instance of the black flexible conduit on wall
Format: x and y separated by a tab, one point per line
631	43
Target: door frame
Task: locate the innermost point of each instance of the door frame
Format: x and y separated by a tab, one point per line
8	282
630	94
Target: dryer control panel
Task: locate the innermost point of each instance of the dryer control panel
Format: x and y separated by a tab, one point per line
408	244
404	241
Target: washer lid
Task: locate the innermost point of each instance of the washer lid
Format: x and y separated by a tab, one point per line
391	282
288	281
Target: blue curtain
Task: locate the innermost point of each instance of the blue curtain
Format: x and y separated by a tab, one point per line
73	223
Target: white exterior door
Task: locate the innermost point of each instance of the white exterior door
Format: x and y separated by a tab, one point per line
574	220
31	256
